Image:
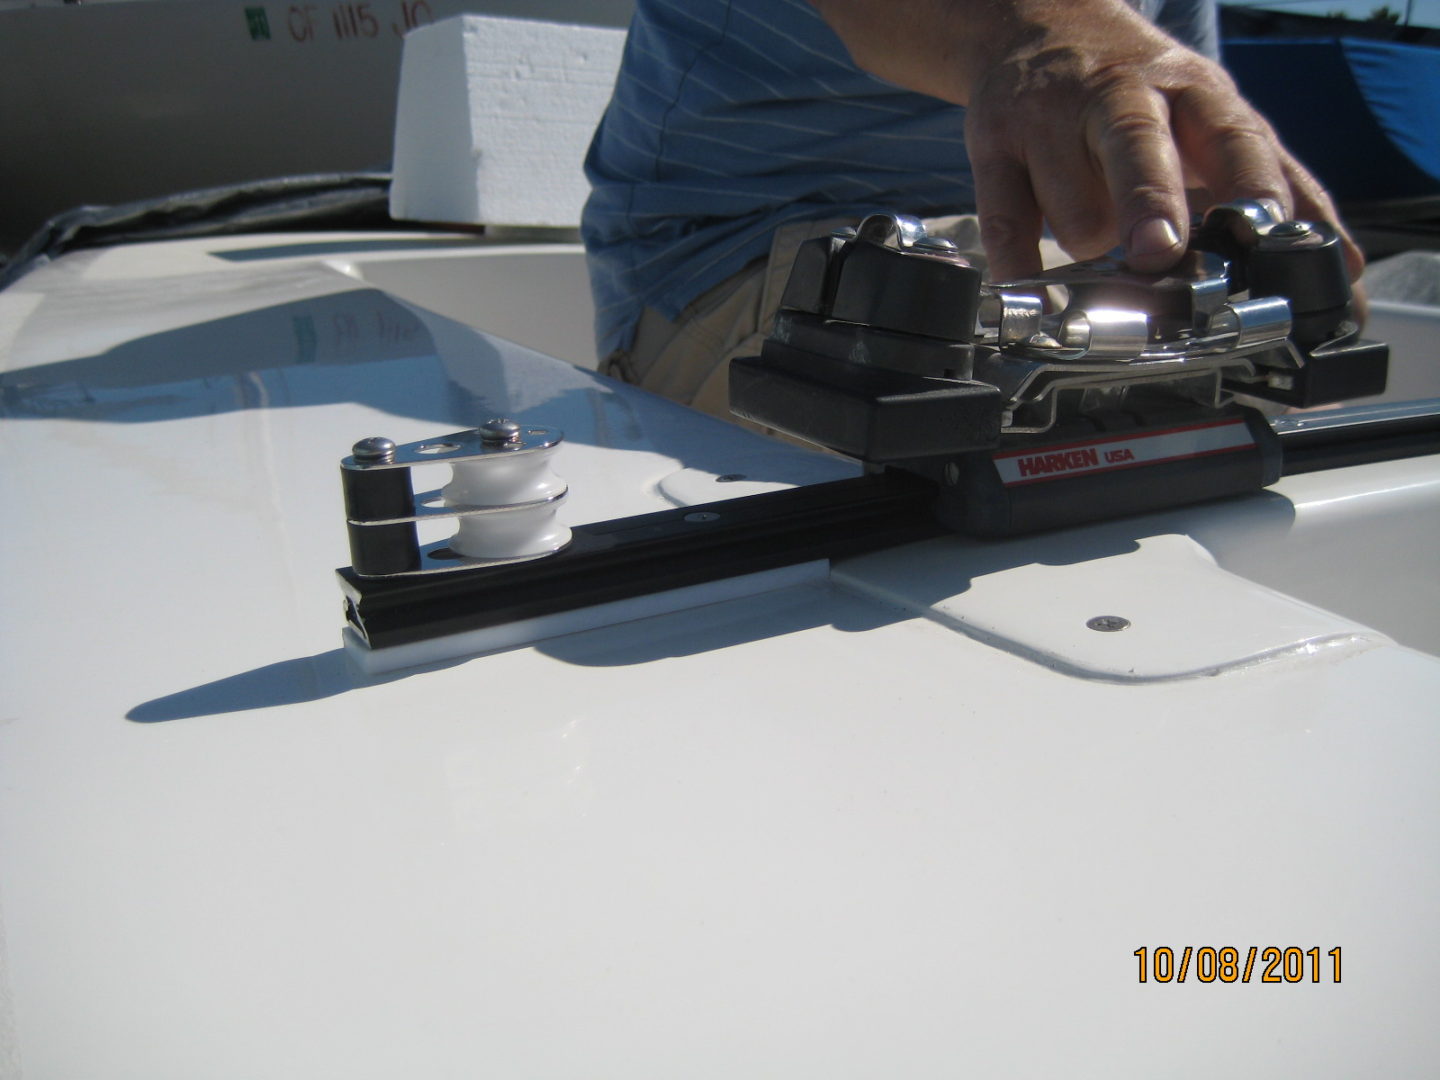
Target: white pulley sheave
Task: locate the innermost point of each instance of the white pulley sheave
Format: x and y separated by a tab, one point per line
508	498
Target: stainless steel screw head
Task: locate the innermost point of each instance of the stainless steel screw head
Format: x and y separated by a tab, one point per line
1108	624
376	449
499	430
1291	229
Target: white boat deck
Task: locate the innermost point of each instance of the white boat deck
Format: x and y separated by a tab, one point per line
910	819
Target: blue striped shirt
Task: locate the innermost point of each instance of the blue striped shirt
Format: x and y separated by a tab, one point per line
731	118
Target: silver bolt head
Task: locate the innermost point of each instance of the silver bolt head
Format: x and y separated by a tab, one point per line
1291	229
1108	624
377	448
499	430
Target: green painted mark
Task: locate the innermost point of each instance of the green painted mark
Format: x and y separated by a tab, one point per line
306	340
258	22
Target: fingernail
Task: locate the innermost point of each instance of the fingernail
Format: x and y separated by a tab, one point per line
1154	236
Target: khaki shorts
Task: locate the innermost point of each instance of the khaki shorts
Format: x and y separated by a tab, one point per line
688	359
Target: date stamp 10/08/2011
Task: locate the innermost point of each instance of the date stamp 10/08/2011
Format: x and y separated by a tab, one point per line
1227	964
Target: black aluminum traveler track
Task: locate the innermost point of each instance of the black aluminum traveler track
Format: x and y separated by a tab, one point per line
1359	435
649	553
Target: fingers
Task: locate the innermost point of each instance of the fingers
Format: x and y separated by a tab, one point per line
1101	142
1236	155
1094	159
1135	153
1359	304
1110	172
1312	203
1227	145
1010	218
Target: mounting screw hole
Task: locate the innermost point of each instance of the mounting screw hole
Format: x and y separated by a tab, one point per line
1108	624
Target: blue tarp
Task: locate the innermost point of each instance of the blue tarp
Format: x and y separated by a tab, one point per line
1363	115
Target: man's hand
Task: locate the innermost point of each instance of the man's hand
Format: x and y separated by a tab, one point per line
1083	116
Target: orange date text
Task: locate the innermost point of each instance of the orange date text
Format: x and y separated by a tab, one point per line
1228	964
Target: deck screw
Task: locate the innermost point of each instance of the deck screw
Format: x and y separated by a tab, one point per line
1107	624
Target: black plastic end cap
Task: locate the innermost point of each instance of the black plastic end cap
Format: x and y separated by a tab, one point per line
873	414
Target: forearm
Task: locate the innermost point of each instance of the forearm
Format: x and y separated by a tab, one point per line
945	48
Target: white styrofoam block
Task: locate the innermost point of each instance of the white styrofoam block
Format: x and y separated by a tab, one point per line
494	118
